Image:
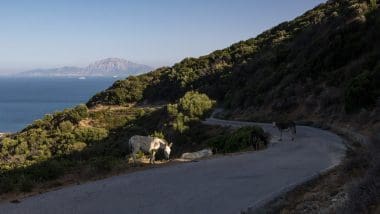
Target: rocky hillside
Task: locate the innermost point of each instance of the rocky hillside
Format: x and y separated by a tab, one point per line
106	67
324	63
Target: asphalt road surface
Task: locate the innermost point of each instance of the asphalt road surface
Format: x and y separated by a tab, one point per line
226	184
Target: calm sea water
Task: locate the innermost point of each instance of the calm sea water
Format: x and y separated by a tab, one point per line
23	100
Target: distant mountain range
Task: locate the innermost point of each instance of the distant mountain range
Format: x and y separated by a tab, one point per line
103	68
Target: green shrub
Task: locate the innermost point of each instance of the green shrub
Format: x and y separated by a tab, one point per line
360	92
373	4
7	184
66	126
78	146
74	115
8	146
193	106
45	171
104	164
121	92
44	123
78	113
25	184
90	134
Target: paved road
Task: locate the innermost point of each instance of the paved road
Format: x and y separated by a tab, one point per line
226	184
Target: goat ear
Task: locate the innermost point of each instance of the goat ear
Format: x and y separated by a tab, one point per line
171	144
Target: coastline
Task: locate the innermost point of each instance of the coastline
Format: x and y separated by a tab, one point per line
3	134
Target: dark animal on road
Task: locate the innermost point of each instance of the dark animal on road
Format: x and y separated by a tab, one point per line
286	126
255	140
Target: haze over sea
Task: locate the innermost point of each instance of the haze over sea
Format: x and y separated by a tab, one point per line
23	100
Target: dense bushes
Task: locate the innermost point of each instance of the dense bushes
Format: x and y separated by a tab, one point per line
53	121
54	135
61	141
239	139
121	92
24	179
90	134
113	118
73	115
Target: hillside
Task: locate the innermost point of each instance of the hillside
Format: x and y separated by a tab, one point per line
102	68
323	63
321	66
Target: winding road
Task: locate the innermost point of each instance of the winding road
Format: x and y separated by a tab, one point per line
225	184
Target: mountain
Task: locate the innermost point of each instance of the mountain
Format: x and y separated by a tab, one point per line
63	71
115	67
105	67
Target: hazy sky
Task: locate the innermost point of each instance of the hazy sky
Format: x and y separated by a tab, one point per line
49	33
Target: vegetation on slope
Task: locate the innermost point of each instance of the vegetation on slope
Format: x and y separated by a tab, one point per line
325	60
94	141
367	187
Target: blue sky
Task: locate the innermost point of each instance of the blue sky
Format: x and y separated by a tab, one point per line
49	33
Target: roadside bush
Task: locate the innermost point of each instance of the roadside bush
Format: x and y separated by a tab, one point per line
45	171
104	164
7	184
360	92
25	184
238	140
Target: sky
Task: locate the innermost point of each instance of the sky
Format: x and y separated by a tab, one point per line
49	33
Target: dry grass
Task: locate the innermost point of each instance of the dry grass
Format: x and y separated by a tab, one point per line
109	107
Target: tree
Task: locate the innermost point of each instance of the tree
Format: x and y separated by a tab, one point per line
192	106
195	105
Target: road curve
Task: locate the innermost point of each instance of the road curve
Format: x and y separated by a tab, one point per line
225	184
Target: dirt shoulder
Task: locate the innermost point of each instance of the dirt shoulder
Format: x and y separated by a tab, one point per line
333	191
324	194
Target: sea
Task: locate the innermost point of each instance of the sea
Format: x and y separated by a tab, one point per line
23	100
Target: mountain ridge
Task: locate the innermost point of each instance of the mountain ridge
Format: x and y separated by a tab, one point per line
107	67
